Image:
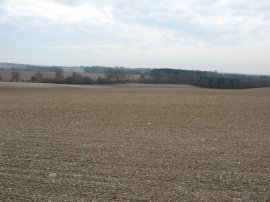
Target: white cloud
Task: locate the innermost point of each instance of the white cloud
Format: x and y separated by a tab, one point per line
58	13
217	22
170	32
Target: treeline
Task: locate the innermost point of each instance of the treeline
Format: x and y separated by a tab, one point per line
102	69
59	78
112	76
208	79
28	67
119	75
87	69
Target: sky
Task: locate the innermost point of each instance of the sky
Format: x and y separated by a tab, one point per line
216	35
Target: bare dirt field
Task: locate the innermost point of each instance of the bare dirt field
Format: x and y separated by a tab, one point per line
133	143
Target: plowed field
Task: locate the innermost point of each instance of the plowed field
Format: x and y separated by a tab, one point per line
133	143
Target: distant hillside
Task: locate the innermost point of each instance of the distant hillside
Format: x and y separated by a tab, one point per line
112	75
87	69
28	67
208	79
102	69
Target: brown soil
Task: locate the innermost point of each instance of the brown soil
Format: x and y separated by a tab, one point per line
133	143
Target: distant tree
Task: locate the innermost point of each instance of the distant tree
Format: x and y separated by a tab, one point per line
121	74
157	75
208	79
38	77
1	78
116	74
109	73
96	69
15	76
33	79
214	83
59	73
88	80
77	78
142	78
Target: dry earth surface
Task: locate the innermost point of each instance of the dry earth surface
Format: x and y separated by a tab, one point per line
133	143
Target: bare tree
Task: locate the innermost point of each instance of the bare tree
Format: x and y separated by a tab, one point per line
59	73
15	76
39	76
116	74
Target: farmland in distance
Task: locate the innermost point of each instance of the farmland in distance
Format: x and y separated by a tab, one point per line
133	143
26	75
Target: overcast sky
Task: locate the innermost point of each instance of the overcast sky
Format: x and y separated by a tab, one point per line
222	35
